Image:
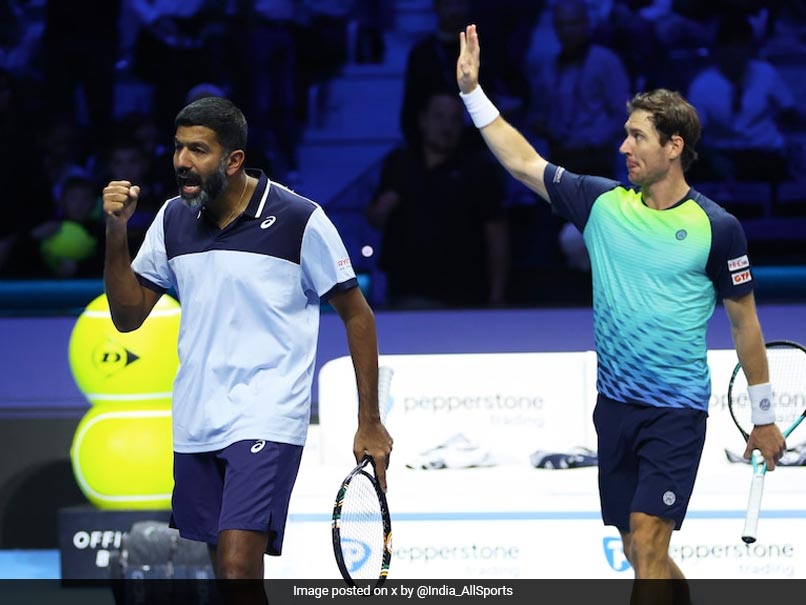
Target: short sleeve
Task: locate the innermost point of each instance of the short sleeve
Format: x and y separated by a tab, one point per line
729	263
572	195
151	263
326	265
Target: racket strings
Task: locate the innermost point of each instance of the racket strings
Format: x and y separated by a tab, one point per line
787	368
361	529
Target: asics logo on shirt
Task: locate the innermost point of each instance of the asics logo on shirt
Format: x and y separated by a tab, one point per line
268	222
259	445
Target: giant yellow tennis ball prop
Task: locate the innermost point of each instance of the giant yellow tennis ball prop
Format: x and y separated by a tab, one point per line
108	365
122	455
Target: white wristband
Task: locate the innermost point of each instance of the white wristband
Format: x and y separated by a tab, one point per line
762	410
481	109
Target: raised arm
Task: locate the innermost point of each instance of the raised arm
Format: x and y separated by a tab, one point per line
511	148
129	302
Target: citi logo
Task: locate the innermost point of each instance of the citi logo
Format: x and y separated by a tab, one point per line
268	222
741	262
259	445
614	552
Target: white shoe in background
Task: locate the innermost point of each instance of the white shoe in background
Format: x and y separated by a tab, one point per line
456	452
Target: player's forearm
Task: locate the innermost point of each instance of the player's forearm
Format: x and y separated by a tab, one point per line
752	353
123	291
362	341
747	336
363	344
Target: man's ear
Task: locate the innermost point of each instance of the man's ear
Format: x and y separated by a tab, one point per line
676	146
235	161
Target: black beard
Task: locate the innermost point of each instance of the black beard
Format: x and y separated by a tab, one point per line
211	187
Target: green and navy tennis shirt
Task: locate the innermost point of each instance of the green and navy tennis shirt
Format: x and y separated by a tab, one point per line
250	296
656	278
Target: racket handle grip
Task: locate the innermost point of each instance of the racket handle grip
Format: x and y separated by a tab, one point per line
385	374
753	509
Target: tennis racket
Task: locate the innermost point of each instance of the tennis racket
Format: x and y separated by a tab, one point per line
361	527
787	364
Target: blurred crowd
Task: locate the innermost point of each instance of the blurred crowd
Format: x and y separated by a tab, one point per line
88	92
561	71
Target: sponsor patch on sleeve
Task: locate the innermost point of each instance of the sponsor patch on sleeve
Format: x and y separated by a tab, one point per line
741	277
558	174
740	262
344	264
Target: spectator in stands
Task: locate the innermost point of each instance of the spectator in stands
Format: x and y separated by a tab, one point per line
684	30
430	65
71	243
142	128
440	207
508	25
743	103
582	119
327	22
266	32
173	49
629	33
126	157
430	68
62	151
694	20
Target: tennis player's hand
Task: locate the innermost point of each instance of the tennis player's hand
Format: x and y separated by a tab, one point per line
766	438
372	438
120	202
467	66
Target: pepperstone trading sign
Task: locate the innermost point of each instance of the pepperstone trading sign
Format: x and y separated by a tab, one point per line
489	513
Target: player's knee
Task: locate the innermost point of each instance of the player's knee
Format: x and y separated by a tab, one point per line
649	540
645	547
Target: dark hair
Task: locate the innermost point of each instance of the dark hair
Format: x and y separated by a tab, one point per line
219	115
76	181
672	115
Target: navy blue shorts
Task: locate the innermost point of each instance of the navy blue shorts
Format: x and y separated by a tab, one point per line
648	459
247	485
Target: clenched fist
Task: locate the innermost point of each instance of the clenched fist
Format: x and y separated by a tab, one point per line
120	201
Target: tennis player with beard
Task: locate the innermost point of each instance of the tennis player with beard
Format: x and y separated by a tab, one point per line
251	262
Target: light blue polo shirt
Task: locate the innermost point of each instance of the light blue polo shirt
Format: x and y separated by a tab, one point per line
656	278
250	296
